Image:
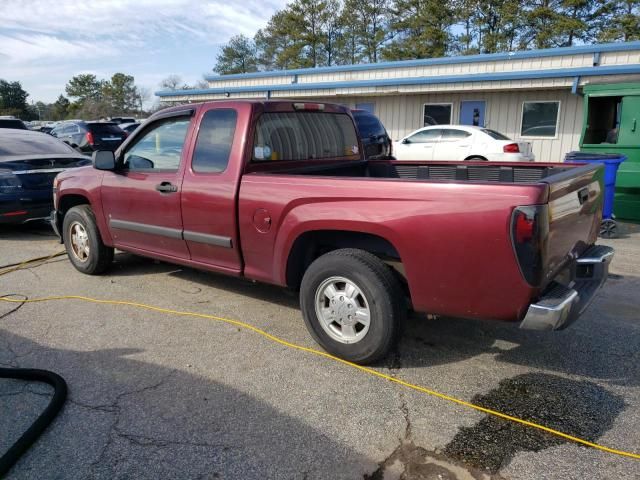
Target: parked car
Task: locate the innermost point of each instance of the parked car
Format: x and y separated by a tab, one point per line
280	192
13	123
29	161
129	127
90	136
375	140
461	142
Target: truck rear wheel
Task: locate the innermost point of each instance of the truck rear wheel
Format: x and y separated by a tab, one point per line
83	242
352	305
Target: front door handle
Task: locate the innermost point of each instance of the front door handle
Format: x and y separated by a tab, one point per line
166	187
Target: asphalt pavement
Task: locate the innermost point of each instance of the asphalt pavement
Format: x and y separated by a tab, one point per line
153	395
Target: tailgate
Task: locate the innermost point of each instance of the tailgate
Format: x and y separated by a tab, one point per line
575	213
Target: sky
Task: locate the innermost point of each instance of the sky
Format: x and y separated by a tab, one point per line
45	43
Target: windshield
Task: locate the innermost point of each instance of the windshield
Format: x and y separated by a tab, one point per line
304	136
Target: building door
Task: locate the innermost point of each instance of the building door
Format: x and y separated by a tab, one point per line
472	112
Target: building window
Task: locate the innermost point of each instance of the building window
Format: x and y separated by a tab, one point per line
437	114
540	119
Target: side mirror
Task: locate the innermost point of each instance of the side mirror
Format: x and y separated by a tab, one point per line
104	160
405	141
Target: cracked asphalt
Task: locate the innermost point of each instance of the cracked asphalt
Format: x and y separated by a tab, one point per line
159	396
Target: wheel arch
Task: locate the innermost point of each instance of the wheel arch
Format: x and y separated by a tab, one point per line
311	244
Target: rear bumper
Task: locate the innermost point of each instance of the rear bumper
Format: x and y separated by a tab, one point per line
561	305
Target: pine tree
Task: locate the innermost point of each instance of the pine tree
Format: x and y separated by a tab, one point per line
237	56
423	29
618	20
371	26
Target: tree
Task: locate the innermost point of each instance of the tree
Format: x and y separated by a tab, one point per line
172	82
279	46
83	87
497	23
423	29
60	108
121	93
371	18
13	99
618	20
237	56
557	23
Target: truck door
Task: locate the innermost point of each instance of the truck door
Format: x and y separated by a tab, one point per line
210	187
142	198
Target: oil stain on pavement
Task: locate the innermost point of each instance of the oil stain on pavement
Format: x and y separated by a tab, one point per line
579	408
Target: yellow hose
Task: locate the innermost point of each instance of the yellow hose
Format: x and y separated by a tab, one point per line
320	353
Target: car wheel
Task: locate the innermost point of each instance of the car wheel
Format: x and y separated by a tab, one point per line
477	158
83	243
352	305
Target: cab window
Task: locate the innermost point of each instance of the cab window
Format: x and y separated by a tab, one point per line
160	147
215	138
304	136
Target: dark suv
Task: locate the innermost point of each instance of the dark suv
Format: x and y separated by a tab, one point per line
374	137
90	136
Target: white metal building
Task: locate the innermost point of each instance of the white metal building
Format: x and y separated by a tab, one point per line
531	95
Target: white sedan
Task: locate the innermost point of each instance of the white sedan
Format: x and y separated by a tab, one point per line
461	142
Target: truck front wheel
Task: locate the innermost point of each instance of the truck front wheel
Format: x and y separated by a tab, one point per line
352	305
83	242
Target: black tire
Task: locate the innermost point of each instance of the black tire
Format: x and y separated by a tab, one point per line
475	159
99	256
380	289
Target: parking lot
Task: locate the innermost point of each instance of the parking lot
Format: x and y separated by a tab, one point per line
154	395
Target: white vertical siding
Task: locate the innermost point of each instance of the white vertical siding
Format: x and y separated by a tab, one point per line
401	114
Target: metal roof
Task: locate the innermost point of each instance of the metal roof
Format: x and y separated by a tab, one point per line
495	76
485	57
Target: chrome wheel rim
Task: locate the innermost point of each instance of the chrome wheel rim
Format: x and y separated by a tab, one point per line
342	310
79	241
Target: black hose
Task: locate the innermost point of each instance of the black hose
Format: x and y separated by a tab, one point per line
42	422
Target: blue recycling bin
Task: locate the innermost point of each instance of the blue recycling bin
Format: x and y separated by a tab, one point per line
611	162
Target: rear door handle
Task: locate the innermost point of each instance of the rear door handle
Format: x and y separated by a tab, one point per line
166	187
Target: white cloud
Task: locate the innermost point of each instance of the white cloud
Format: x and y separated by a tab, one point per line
44	42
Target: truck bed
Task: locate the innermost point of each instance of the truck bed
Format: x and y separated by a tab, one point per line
433	170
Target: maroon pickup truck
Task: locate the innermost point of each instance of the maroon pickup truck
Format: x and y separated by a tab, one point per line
279	192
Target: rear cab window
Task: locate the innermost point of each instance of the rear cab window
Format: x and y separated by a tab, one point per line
304	135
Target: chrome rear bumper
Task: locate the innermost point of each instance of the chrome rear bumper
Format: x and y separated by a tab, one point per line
561	305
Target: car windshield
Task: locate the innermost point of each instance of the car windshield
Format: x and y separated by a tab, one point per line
368	125
34	144
495	135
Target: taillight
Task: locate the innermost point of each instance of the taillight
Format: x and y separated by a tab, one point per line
89	136
511	148
529	231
